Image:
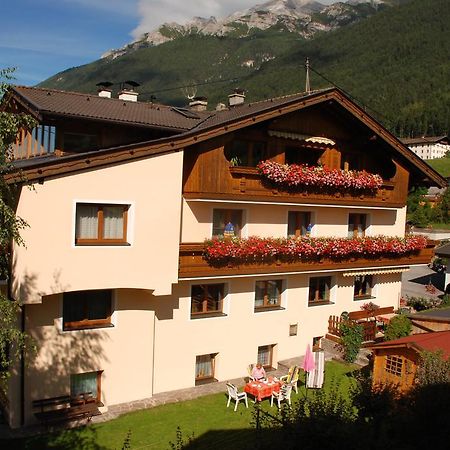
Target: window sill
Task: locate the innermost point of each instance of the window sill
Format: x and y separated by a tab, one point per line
102	244
207	315
87	327
363	297
201	381
320	303
268	308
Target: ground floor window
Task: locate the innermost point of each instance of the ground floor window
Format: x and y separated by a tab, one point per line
363	287
87	309
204	368
319	290
207	299
268	294
265	355
394	365
86	385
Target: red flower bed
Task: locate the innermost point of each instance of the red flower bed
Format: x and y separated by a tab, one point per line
296	176
220	251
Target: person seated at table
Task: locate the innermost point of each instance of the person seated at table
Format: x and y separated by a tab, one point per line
258	372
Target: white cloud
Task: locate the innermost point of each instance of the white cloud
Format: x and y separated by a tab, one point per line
153	13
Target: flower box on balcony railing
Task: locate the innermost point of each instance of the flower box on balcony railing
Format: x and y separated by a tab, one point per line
194	264
237	251
300	177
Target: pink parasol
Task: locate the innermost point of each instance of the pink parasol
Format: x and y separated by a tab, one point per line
308	364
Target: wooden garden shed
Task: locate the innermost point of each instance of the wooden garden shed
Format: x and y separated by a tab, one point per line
396	362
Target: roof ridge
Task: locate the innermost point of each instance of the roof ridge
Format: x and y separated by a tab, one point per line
83	94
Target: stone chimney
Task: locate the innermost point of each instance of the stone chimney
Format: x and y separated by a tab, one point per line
198	104
128	95
236	98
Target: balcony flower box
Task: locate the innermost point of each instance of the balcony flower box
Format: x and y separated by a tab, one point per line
219	252
301	177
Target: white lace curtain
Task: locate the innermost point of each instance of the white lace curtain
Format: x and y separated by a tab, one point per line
88	217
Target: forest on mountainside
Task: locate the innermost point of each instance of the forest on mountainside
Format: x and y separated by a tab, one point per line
396	64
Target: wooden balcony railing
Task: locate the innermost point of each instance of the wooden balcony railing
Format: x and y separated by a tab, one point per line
369	329
247	181
193	264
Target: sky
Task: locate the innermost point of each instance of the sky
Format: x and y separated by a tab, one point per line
43	37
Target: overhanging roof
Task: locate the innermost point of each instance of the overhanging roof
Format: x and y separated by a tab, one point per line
209	125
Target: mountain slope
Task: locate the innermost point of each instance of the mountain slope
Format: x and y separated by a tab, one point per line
397	62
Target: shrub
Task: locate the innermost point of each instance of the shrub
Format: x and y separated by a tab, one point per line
418	303
399	326
351	339
433	369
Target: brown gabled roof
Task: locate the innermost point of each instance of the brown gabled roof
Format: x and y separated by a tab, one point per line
438	340
201	128
424	140
87	106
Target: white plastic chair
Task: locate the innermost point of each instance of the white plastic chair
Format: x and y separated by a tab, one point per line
284	394
236	396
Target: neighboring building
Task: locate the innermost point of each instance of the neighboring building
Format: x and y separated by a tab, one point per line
436	319
116	288
428	147
395	362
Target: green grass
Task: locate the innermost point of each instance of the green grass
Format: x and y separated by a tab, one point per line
441	165
155	428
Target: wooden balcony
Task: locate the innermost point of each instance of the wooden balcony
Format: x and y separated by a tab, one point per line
193	265
245	183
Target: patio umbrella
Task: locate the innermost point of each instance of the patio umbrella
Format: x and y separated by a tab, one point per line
308	365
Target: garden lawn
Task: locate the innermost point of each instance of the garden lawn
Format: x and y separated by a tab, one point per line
206	417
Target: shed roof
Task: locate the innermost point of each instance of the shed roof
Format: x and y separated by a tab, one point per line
439	340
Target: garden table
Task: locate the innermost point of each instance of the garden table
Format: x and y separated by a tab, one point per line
262	389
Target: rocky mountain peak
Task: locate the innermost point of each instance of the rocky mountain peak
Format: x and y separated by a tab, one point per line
305	17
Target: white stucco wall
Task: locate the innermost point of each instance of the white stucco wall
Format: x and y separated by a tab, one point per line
52	263
271	220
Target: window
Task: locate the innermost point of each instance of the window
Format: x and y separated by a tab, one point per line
351	161
363	287
247	153
265	354
299	155
357	225
79	142
101	224
293	329
319	290
268	294
207	299
227	222
394	365
204	368
87	309
86	383
299	223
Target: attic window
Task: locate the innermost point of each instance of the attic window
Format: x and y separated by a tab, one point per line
186	113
